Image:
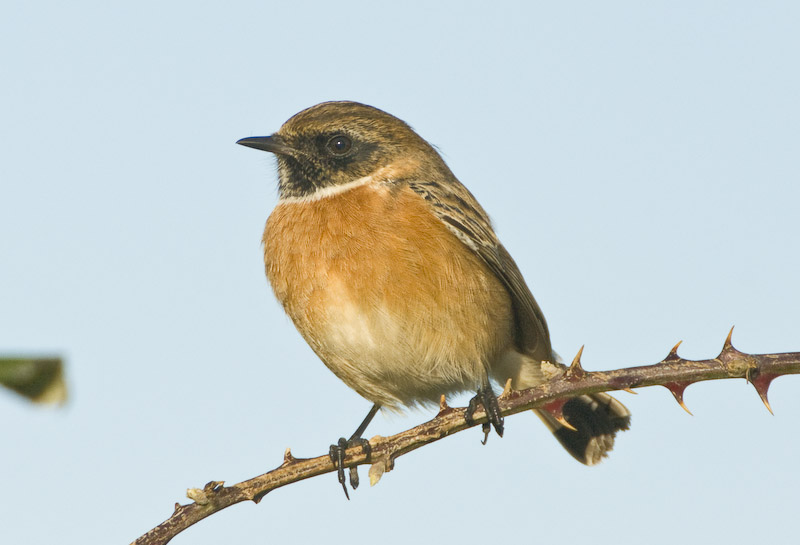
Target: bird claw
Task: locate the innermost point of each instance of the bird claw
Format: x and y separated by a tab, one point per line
338	453
494	417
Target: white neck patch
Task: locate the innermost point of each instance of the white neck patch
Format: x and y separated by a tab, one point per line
329	191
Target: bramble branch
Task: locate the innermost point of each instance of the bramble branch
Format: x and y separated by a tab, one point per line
673	372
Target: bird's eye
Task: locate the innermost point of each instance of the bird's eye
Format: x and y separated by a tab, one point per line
339	144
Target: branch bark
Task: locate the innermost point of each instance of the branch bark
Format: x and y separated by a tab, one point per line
672	372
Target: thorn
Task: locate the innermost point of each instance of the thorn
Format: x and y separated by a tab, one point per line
177	506
673	354
761	382
575	369
506	389
444	408
630	391
563	422
576	361
766	403
730	355
728	343
677	389
287	457
556	409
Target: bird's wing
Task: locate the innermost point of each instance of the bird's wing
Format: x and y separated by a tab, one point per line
458	209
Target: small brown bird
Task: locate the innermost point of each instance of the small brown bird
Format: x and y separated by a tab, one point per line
391	271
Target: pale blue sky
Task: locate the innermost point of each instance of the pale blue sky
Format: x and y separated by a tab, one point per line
639	159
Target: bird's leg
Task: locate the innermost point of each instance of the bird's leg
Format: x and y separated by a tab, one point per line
488	399
338	451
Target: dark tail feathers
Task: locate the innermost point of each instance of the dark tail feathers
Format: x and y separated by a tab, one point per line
597	418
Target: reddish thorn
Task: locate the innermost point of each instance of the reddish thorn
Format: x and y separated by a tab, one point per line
556	409
677	389
673	354
761	382
630	391
575	369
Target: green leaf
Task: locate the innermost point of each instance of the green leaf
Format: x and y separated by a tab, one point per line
39	379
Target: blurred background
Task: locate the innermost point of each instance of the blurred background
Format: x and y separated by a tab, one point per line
640	162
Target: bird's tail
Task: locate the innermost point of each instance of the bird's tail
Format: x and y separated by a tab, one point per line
596	418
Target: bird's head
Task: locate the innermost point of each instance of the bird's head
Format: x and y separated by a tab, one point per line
337	143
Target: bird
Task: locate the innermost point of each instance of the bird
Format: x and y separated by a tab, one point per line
392	272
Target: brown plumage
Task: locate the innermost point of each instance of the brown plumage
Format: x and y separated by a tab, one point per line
391	271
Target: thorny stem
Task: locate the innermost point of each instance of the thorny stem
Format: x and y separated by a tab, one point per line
673	372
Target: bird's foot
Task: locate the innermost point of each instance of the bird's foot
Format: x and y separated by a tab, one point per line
494	418
337	454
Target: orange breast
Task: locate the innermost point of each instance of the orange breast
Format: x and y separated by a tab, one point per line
385	294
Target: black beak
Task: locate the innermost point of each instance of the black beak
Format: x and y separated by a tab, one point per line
272	144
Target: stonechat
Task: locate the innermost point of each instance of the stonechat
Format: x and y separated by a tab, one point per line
391	271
